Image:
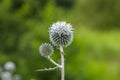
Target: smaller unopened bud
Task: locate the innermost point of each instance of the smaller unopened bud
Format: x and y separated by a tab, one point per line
46	50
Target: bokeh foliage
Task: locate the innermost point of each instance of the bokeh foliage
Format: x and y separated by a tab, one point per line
94	53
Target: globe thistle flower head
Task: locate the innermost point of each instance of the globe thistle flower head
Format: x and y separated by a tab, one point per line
61	34
6	76
46	50
9	66
16	77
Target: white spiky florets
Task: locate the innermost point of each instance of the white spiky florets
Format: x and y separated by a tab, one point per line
46	50
61	34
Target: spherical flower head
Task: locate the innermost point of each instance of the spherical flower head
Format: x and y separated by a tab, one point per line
61	34
6	76
46	50
16	77
9	66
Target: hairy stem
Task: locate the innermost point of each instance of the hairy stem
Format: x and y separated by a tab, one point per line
47	69
58	65
62	63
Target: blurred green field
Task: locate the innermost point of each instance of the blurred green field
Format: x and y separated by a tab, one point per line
94	53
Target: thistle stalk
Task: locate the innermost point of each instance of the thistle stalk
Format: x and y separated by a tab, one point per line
62	63
52	61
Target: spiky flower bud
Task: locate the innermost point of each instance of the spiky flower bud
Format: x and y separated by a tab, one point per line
61	34
46	50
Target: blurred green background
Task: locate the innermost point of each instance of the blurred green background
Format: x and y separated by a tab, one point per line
94	53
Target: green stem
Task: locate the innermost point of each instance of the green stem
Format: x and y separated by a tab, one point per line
62	63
